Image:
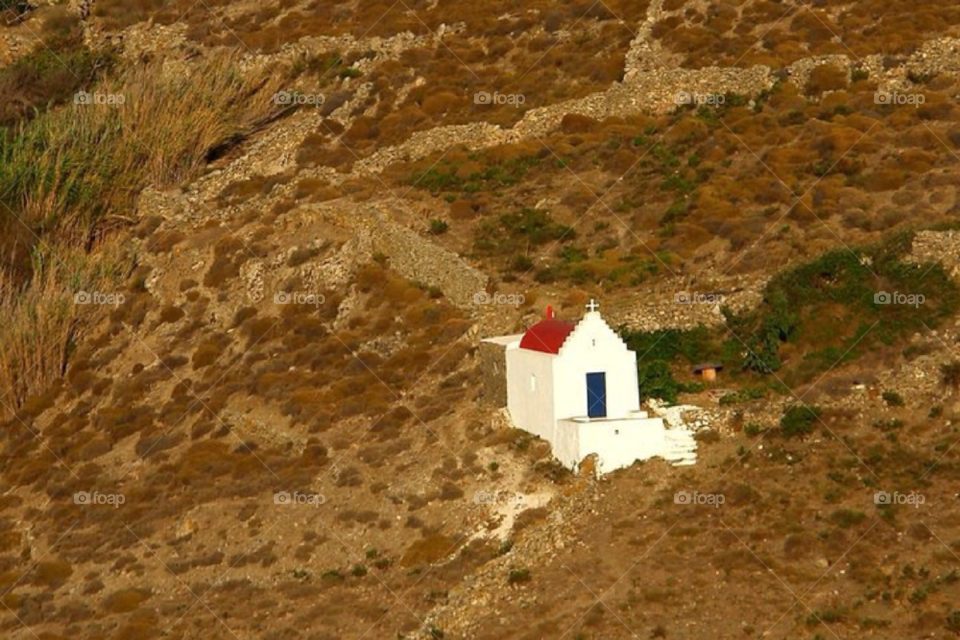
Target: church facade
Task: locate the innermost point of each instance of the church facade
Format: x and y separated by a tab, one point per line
575	386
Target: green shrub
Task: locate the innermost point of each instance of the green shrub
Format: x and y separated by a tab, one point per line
745	395
438	226
656	380
953	622
950	374
918	595
692	346
535	225
888	424
519	576
444	176
753	429
656	350
798	421
892	398
521	263
840	285
846	518
49	76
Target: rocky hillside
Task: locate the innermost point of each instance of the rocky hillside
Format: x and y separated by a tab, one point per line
239	283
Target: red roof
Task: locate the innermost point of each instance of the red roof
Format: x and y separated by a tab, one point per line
547	336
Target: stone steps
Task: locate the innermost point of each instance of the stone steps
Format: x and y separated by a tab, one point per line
681	449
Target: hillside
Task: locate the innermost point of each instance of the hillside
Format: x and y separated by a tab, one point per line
242	261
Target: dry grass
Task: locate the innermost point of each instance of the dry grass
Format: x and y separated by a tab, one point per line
428	550
40	319
767	33
700	187
50	74
119	14
160	136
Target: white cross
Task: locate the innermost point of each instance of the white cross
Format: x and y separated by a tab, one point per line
593	306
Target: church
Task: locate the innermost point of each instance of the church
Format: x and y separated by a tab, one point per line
575	386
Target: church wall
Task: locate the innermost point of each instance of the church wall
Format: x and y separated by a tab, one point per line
566	444
531	410
579	356
619	443
560	394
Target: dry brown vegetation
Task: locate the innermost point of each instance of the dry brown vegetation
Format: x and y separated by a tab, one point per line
774	34
197	401
174	414
60	211
699	175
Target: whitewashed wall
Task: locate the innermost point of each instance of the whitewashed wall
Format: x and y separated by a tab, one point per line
531	411
580	356
619	443
561	394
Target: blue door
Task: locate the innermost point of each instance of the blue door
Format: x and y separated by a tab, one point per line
597	395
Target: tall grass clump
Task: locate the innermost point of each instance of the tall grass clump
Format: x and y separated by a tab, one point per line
71	175
40	319
76	171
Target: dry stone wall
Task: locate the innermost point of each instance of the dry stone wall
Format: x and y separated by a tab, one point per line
649	86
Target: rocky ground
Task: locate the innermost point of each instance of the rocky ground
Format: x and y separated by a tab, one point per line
202	398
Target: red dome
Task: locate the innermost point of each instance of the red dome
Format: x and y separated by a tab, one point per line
546	336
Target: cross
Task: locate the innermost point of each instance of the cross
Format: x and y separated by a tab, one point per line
593	306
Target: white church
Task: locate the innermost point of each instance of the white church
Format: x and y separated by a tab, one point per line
575	386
